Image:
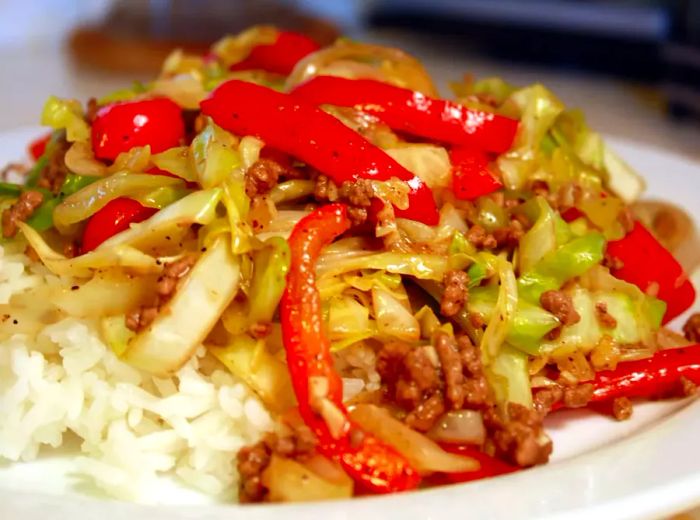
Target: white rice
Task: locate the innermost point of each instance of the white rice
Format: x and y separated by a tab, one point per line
133	426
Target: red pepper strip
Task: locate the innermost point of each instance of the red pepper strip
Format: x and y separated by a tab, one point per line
488	466
373	465
656	376
471	177
315	137
279	57
38	146
651	267
114	218
413	112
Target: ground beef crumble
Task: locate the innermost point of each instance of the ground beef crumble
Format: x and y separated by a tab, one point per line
142	317
262	176
604	318
456	292
576	396
519	439
20	211
427	391
691	329
561	305
297	443
622	408
55	172
357	195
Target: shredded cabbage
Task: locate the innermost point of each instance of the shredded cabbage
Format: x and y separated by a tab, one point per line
88	201
66	114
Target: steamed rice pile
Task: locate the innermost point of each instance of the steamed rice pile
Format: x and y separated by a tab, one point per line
133	426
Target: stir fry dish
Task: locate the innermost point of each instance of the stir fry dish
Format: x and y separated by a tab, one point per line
281	272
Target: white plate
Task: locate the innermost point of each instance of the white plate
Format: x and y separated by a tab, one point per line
643	468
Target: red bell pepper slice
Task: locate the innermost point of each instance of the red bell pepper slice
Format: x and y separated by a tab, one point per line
471	176
38	146
413	112
278	57
651	267
308	133
375	466
113	218
121	126
656	376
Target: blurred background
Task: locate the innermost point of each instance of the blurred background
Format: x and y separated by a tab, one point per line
632	65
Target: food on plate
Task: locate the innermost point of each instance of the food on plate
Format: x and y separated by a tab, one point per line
280	272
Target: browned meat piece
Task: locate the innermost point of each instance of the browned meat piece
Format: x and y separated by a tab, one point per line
390	361
578	396
325	189
172	272
510	235
297	443
622	408
262	176
424	416
91	110
421	370
357	215
520	438
477	320
252	461
456	292
604	318
31	253
425	391
688	387
20	211
560	304
52	177
358	193
142	317
478	236
691	329
544	398
451	363
411	380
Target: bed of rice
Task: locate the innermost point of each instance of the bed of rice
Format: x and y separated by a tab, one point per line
133	427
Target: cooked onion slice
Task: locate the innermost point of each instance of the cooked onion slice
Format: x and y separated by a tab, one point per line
424	454
462	426
290	481
184	322
84	266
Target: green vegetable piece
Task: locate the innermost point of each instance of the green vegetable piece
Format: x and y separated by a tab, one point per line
509	378
570	260
655	311
477	272
8	189
66	114
75	183
42	218
269	278
530	322
460	244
